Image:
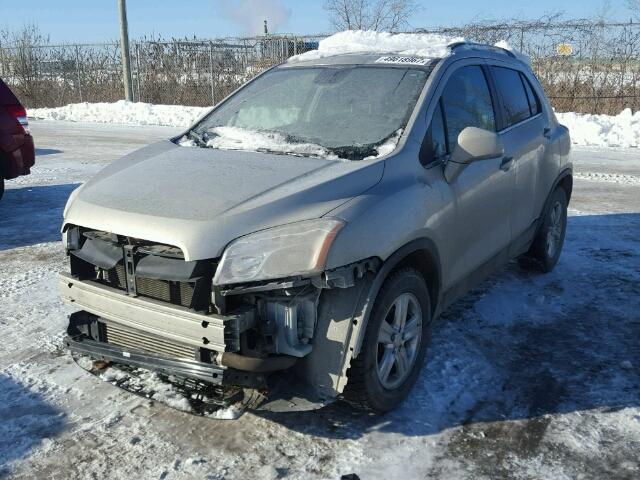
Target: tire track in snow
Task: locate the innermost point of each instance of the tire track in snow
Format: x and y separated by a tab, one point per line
619	178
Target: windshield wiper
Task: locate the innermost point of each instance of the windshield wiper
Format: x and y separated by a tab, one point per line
196	137
355	152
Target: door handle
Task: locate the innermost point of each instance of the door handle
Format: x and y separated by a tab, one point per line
506	163
546	133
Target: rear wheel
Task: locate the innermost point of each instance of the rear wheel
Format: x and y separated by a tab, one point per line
394	345
547	245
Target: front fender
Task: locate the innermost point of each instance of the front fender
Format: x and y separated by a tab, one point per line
343	315
390	264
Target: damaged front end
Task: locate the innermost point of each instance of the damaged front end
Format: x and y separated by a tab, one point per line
277	344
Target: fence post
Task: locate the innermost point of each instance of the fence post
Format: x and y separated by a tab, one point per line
139	94
124	50
78	78
213	93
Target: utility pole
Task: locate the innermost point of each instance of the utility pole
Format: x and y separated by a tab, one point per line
124	51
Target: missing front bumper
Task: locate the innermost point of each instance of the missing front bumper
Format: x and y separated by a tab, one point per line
178	324
181	368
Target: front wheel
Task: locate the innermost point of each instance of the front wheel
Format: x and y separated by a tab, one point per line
394	344
547	245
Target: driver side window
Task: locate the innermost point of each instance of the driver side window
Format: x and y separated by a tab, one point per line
465	102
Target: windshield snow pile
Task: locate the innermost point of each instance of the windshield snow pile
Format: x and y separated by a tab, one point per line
427	45
236	138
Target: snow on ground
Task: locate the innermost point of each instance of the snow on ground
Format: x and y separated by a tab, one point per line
123	112
528	376
622	130
428	45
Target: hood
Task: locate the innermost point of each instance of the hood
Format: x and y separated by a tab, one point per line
199	199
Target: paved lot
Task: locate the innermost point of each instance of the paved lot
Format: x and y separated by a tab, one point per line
527	377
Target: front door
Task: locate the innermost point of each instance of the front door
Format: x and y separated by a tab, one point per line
482	193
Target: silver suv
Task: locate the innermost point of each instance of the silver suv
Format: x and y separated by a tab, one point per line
301	238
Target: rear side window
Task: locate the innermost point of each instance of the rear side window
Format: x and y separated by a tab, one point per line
534	101
515	103
467	103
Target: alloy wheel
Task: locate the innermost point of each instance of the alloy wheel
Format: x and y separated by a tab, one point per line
399	340
554	232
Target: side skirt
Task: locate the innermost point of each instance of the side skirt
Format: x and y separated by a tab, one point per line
516	248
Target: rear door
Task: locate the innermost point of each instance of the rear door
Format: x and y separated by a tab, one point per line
522	131
481	194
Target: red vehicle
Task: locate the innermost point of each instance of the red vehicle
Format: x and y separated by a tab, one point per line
17	154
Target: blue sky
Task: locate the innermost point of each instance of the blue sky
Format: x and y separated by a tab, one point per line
97	20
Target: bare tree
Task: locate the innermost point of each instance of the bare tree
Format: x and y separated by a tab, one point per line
634	6
379	15
19	48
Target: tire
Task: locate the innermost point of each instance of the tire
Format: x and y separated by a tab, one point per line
548	242
373	384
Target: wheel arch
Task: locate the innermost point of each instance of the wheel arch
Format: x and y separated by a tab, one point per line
563	180
421	254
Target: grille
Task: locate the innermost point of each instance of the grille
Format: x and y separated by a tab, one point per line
116	277
192	290
138	340
177	293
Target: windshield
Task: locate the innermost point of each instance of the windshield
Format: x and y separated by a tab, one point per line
335	112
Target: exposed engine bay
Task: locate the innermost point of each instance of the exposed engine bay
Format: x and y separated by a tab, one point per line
142	306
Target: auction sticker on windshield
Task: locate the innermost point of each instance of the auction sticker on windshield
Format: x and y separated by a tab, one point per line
404	60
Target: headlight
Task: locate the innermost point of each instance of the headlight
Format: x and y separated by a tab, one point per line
295	249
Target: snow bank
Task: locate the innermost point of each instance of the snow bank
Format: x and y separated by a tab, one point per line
622	130
428	45
123	112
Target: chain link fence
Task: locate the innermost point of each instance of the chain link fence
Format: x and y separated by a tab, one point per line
198	73
584	66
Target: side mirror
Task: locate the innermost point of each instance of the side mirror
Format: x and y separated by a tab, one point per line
474	144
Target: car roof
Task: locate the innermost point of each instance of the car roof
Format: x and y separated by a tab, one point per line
360	58
394	59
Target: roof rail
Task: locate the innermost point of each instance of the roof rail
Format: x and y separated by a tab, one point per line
480	46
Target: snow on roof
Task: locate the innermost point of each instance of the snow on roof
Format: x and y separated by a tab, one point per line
429	45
